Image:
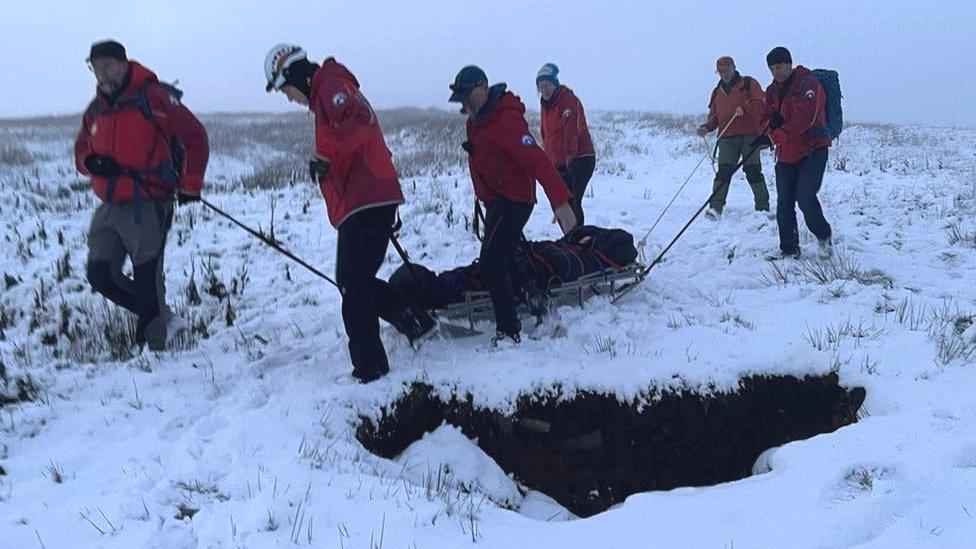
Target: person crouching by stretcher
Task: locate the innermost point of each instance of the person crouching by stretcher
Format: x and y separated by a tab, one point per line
505	162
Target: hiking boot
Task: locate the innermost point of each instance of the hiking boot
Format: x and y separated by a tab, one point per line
369	375
503	339
417	325
825	248
537	302
426	328
780	254
713	213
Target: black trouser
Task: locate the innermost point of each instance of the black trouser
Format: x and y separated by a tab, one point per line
798	184
504	222
576	174
361	248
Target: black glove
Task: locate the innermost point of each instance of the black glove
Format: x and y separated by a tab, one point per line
105	166
467	146
775	120
184	199
318	168
762	142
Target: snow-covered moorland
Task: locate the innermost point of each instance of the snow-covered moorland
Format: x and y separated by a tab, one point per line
245	436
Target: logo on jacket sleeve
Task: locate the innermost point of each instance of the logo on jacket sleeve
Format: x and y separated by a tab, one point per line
527	140
810	94
339	99
566	113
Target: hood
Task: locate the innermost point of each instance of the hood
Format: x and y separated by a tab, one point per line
330	70
334	69
500	102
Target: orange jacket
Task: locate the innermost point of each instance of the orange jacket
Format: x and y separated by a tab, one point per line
744	92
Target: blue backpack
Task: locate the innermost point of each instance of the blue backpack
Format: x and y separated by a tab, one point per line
830	81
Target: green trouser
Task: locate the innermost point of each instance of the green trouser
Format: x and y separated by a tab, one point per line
730	150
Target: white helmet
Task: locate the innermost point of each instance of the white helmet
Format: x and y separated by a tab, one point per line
277	61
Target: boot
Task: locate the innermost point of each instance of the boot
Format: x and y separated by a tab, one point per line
825	248
416	324
504	339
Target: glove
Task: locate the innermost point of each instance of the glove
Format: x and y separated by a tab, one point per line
762	142
105	166
183	199
467	146
565	217
775	120
317	168
702	130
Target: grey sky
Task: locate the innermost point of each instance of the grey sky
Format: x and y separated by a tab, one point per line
899	61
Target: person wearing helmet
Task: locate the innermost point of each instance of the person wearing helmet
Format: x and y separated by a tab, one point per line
505	162
565	135
354	171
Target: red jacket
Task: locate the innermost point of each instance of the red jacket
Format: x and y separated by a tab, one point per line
136	130
504	158
563	127
800	101
743	92
348	135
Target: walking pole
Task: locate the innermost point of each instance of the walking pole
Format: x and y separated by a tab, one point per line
684	228
643	241
134	174
274	245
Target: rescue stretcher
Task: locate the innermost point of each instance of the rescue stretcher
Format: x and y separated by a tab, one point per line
612	283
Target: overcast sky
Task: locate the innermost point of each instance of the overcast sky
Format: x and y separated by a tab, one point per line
899	61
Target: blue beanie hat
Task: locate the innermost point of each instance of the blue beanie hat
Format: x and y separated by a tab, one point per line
549	72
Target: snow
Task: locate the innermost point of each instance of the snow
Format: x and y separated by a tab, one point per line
253	426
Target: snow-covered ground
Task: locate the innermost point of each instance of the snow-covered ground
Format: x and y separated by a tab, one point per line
249	428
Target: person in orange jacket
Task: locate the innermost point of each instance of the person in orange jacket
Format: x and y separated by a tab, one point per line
737	111
565	135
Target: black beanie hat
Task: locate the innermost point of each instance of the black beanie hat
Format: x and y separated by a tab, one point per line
779	54
107	48
299	74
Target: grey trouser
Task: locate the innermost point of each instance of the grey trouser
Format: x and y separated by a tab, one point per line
116	233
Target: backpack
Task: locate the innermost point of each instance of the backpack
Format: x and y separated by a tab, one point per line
834	111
